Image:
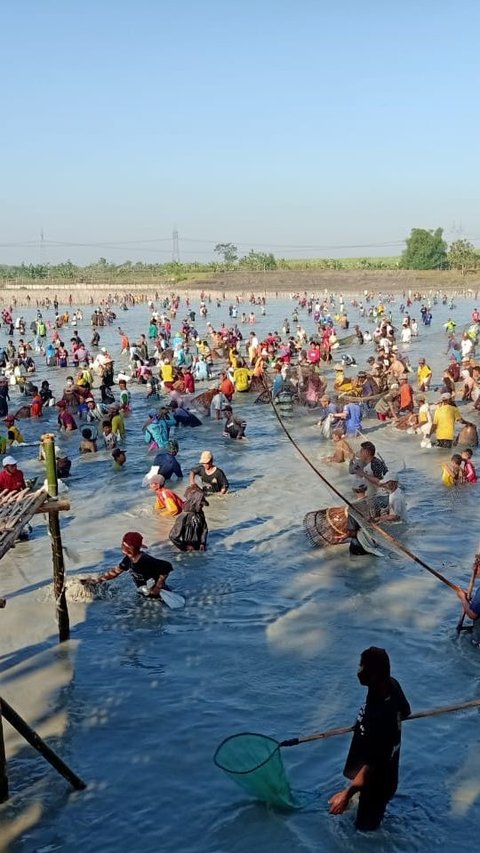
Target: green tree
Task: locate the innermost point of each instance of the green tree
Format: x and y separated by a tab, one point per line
462	256
425	250
228	251
259	261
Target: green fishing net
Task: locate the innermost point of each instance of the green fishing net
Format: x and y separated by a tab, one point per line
254	762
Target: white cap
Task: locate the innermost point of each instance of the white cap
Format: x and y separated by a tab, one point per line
9	460
148	478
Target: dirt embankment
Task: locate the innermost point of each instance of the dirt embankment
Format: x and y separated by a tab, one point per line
26	293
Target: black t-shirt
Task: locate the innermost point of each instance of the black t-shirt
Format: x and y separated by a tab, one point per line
378	467
147	568
214	482
376	739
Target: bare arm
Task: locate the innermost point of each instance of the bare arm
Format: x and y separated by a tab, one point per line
339	802
466	606
108	576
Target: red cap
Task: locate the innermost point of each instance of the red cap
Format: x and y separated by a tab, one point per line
133	540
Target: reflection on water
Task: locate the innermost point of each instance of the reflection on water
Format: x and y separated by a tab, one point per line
268	641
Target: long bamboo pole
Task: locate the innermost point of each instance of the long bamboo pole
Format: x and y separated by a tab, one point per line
34	739
418	715
48	443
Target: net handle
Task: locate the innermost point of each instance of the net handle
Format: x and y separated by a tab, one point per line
433	712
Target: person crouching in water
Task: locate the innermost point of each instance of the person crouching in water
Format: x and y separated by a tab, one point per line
234	427
166	502
469	471
190	531
142	567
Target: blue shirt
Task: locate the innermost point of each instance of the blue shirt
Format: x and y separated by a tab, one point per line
167	465
475	602
353	421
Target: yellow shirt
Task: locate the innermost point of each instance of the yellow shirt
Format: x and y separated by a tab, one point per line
166	372
423	373
118	425
14	434
444	419
241	379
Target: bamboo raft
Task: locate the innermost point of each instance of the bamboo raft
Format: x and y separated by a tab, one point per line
16	510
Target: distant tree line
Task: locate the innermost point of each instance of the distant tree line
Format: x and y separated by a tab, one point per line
424	250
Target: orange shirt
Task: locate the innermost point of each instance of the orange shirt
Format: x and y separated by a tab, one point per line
406	396
227	387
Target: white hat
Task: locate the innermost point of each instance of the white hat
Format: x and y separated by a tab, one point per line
148	478
390	477
9	460
446	396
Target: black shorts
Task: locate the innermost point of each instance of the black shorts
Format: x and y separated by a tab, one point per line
444	442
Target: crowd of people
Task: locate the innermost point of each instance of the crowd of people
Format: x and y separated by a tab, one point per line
183	377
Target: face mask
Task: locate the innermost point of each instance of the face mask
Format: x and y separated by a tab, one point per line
363	677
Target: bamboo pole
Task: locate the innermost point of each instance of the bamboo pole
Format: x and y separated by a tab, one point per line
418	715
34	739
3	765
56	538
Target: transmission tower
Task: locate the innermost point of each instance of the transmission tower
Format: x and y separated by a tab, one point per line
43	248
175	246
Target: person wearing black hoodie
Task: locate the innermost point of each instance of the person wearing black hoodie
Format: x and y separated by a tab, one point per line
373	759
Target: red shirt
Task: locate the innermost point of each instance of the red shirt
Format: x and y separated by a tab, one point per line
67	421
12	482
36	407
228	388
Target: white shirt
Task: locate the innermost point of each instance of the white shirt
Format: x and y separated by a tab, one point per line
467	346
397	504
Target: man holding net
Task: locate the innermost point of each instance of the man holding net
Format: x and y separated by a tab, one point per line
373	759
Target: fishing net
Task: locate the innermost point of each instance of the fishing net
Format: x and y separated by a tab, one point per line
326	526
255	763
264	397
204	401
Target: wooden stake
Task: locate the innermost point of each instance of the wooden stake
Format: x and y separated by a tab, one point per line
3	765
56	538
34	739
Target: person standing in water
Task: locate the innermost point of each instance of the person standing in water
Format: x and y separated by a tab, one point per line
142	567
213	479
373	759
471	605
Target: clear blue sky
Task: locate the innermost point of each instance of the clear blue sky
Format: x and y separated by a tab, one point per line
276	123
